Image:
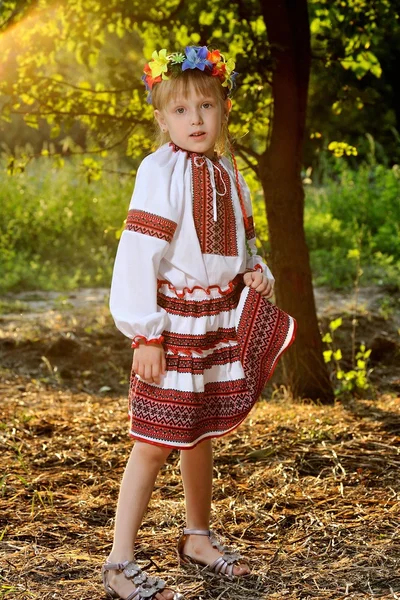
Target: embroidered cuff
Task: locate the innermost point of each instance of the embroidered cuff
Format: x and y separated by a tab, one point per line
257	267
138	338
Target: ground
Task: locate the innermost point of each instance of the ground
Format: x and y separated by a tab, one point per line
310	494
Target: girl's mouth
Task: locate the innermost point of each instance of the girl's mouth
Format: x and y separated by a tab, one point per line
198	134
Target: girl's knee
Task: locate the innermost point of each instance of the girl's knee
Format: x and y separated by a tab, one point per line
152	453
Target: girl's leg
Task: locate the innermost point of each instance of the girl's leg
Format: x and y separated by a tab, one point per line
137	485
197	476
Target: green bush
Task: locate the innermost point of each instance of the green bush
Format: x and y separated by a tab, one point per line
59	227
355	210
57	231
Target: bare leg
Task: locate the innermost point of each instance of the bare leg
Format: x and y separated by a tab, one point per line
197	475
137	485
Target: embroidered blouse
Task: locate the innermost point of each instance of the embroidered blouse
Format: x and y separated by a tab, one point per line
184	226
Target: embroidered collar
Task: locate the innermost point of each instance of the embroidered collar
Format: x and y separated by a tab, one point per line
191	154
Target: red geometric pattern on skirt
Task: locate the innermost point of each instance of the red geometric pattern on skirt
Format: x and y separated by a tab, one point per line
215	237
186	342
175	418
250	230
150	224
198	364
201	308
261	333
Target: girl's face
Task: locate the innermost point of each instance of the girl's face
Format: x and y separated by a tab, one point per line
193	121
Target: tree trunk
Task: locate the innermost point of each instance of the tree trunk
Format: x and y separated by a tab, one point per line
280	173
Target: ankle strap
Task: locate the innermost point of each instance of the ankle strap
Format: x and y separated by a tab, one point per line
108	566
206	532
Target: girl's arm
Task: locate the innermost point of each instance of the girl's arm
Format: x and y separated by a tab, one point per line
150	226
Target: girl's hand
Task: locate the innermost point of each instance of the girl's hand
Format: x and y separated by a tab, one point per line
149	362
260	283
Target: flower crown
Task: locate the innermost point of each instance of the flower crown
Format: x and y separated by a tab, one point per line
162	66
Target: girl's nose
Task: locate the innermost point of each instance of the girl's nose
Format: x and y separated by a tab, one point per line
196	118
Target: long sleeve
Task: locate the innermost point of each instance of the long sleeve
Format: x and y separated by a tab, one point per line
150	226
254	261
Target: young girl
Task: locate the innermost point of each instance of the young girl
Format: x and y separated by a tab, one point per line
191	293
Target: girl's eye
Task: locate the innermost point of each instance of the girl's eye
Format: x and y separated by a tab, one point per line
207	105
180	111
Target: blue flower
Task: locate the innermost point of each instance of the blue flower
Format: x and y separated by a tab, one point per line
196	58
234	74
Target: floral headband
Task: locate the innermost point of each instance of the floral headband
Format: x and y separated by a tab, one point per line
212	62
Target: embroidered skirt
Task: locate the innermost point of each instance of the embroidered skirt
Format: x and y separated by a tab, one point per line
222	346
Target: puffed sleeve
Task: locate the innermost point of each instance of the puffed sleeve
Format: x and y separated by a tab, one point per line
254	261
150	226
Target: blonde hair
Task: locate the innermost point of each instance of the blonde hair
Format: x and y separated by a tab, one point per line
163	92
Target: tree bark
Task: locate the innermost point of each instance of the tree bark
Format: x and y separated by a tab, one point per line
280	173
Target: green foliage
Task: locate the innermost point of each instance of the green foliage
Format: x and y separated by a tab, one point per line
351	380
59	226
57	231
82	61
355	209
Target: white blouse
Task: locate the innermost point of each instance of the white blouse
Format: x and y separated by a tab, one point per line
184	226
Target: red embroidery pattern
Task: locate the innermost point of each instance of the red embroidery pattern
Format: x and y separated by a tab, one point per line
250	231
188	343
264	333
200	308
149	224
215	237
174	417
197	365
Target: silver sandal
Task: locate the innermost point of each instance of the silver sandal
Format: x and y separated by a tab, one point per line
224	565
147	587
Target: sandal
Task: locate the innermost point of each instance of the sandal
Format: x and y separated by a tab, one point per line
224	565
147	587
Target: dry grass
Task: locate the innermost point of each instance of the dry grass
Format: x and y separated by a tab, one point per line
310	494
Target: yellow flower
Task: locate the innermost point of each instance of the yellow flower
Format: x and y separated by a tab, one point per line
230	65
159	64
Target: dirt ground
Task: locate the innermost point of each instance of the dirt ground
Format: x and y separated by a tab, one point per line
310	494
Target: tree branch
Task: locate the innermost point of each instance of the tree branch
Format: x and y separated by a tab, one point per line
245	149
82	89
76	115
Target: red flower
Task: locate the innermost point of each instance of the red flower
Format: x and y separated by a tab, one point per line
148	79
219	70
214	56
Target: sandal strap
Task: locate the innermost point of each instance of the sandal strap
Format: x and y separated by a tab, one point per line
116	566
206	532
147	587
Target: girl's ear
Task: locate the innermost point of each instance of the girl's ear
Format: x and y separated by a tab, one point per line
160	120
228	106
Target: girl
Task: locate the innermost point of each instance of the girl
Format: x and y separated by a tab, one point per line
191	293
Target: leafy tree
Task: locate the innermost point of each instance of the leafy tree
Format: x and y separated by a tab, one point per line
82	60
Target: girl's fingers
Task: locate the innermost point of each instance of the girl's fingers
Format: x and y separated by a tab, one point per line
147	373
163	364
156	373
257	280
